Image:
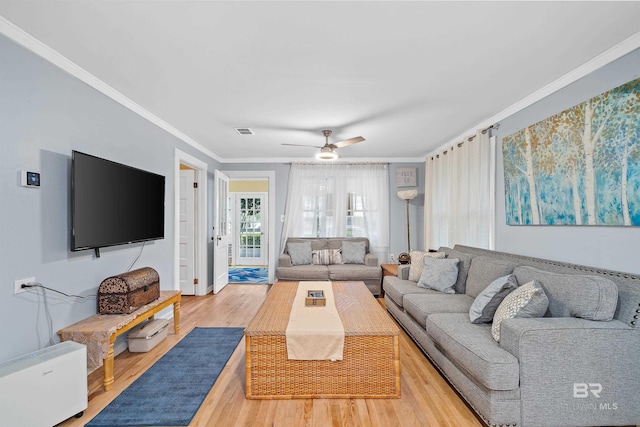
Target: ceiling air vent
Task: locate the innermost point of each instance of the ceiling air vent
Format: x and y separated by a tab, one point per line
244	131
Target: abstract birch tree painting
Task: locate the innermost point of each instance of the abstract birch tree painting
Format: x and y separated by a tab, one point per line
579	167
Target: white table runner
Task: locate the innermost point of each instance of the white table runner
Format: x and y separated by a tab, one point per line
316	332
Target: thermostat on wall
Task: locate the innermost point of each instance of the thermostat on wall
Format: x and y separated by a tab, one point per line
30	179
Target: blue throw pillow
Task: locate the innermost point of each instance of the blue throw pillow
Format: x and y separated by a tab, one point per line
487	302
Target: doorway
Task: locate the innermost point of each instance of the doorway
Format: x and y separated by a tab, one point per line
250	235
247	249
190	226
253	222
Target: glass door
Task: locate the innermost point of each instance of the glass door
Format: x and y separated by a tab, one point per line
250	238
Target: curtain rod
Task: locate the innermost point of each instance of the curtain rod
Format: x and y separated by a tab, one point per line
470	138
485	130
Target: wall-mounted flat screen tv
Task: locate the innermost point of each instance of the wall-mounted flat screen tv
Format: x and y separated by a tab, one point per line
113	204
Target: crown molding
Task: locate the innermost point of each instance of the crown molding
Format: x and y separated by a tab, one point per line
618	51
337	161
26	40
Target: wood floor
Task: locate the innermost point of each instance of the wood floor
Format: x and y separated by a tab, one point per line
427	399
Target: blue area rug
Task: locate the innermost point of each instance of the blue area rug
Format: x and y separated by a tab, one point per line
248	275
172	390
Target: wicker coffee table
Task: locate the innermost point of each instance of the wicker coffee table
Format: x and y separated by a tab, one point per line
371	362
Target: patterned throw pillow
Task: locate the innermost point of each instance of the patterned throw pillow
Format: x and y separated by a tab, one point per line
353	252
417	263
300	253
487	302
327	256
529	300
439	274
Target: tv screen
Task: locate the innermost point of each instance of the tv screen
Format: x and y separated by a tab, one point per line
113	204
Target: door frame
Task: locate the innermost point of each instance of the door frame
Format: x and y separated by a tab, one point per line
271	208
200	243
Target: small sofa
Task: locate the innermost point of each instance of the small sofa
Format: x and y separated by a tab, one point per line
319	267
559	369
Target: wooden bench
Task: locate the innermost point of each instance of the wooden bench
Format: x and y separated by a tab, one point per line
99	332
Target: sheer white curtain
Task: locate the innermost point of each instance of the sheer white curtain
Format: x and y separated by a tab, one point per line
459	195
339	200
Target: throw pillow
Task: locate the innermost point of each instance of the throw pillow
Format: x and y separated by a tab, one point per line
417	263
353	252
463	267
529	300
439	274
487	302
326	256
300	253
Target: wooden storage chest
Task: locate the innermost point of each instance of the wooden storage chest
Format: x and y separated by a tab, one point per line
129	291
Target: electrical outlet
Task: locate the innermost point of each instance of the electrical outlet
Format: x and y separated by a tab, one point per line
18	289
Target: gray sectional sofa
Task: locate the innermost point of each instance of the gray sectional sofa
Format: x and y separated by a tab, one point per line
559	369
314	267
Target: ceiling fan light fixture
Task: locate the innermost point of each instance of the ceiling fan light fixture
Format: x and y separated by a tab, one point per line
327	153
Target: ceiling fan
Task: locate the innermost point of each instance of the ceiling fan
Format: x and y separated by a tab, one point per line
328	151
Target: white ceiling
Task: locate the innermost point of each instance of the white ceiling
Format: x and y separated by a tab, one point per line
408	76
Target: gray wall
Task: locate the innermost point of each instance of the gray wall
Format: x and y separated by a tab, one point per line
607	247
398	212
44	115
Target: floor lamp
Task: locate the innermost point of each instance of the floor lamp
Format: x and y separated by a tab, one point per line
408	195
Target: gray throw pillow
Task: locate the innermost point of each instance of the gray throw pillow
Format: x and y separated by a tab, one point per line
417	263
353	252
300	253
487	302
439	274
529	300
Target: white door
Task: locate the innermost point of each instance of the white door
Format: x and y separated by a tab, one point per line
187	232
221	232
250	237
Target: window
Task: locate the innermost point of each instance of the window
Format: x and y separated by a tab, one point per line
339	201
355	216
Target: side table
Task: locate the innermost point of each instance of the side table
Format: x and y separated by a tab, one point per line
388	270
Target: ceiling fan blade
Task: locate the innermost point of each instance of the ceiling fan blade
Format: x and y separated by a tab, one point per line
346	142
302	145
